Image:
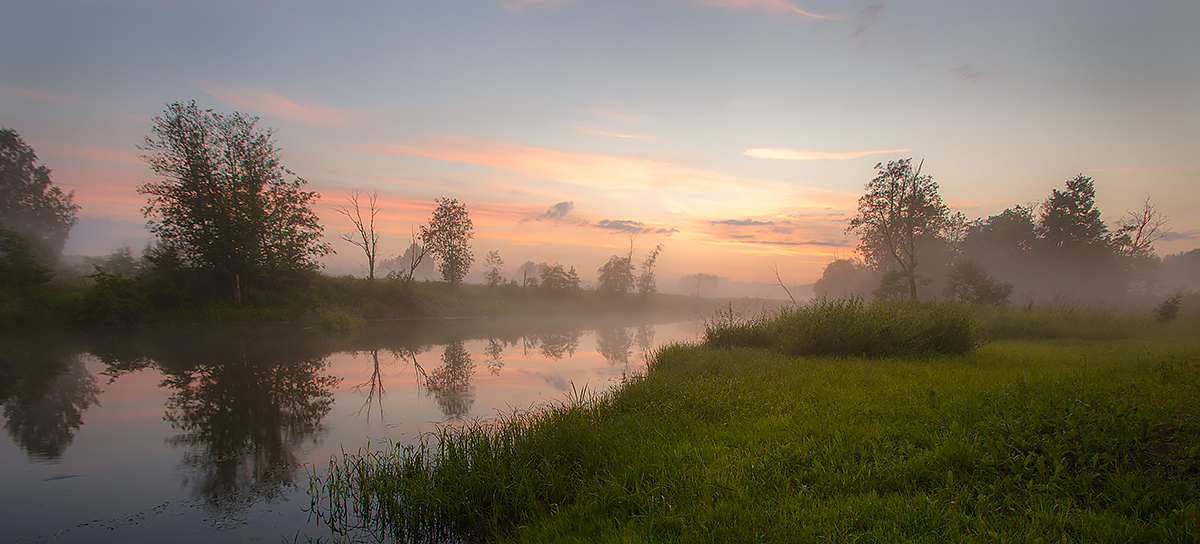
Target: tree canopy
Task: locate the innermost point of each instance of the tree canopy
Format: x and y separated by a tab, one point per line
225	200
30	204
447	237
900	214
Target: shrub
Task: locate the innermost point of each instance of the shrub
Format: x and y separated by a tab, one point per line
1168	309
851	327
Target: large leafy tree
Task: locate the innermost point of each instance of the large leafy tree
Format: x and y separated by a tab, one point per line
225	201
30	204
900	214
447	237
616	276
1070	219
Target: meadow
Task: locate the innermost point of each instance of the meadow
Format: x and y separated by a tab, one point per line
938	423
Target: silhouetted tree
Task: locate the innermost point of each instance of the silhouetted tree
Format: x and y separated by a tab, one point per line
556	279
447	238
900	214
529	274
30	204
616	276
495	269
43	421
646	282
225	201
1070	220
846	277
967	281
365	237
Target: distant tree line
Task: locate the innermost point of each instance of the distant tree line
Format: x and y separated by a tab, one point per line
1059	250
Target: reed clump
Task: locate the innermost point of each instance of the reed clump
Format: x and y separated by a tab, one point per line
851	327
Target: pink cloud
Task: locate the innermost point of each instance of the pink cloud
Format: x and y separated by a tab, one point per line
768	5
270	102
614	134
803	155
36	95
576	168
97	154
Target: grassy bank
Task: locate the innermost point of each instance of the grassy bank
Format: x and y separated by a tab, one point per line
1022	439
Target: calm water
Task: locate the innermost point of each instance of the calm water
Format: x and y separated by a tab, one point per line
204	437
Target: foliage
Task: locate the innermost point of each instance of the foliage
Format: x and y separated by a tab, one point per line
851	327
494	267
1168	309
529	274
1070	219
898	216
845	277
447	237
967	281
30	203
225	202
365	237
646	282
557	279
616	276
1010	443
19	266
112	299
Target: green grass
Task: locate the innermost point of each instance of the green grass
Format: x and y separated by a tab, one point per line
1019	440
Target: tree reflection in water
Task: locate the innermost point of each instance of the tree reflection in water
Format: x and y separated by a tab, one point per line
645	341
495	355
43	418
244	415
614	345
373	387
451	384
556	344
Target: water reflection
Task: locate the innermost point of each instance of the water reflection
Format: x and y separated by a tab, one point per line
243	417
450	384
614	345
42	417
554	345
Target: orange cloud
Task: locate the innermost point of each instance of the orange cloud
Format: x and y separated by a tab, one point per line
803	155
769	5
36	95
614	134
97	154
269	102
586	169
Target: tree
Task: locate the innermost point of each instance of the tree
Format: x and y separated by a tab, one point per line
646	283
365	236
30	204
557	279
900	214
1138	231
616	276
447	236
529	273
846	277
968	281
225	201
495	269
1070	219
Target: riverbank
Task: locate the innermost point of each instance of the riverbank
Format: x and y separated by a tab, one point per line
1050	432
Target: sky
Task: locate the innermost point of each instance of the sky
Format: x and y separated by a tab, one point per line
737	133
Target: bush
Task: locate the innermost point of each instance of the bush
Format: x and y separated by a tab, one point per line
851	327
1168	309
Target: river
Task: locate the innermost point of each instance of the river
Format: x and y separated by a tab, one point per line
210	436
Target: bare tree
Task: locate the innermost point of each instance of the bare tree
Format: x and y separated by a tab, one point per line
366	237
1138	231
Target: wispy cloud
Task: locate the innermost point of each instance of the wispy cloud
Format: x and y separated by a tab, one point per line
743	222
614	134
768	5
558	213
966	74
1186	235
36	94
577	168
1148	170
804	155
269	102
97	154
632	227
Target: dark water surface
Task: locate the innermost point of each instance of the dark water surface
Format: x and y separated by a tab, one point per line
186	436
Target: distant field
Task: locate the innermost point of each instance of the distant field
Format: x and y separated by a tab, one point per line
1061	426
